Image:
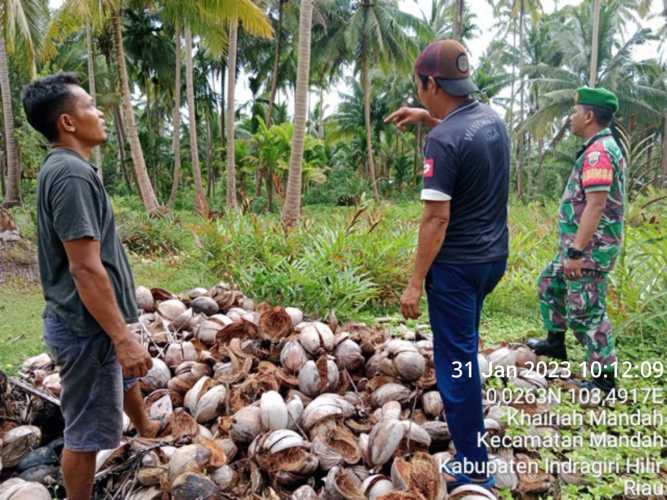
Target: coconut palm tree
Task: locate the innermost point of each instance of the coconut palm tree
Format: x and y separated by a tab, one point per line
143	180
92	88
592	79
75	14
293	194
377	33
276	62
617	70
19	26
204	18
202	204
515	11
231	106
176	118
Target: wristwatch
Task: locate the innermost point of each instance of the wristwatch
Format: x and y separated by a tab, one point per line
574	254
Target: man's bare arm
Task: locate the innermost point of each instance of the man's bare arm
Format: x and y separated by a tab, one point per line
97	294
411	116
432	231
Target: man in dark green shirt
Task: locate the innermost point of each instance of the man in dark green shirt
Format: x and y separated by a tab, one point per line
87	282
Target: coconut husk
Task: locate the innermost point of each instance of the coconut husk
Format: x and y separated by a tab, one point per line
240	329
183	426
275	323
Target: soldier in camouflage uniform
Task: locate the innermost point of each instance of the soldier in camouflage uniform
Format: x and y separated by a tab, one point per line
573	287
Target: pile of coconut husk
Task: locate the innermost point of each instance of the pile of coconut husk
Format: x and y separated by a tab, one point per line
259	401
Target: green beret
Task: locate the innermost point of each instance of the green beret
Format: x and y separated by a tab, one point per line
600	97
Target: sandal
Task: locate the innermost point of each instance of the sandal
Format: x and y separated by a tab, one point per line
457	479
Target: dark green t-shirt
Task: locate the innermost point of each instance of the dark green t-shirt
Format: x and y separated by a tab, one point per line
72	204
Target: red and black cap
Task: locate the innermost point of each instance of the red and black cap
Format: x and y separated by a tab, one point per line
447	62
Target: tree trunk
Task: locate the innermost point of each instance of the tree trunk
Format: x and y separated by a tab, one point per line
521	152
366	86
512	93
268	182
231	88
143	181
292	209
118	122
595	44
2	171
458	27
223	67
202	204
13	186
276	62
120	134
90	46
320	125
664	145
209	157
176	121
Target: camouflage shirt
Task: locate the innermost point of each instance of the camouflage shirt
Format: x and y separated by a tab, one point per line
600	166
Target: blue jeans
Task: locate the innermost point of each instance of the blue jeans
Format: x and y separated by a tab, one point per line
456	294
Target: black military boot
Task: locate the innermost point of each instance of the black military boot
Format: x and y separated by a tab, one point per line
553	346
605	382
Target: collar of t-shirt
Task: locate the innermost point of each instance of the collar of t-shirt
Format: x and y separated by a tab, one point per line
602	133
64	150
463	107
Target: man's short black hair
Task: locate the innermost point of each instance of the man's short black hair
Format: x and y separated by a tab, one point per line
45	99
603	116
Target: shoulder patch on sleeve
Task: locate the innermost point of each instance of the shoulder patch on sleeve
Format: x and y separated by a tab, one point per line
429	167
598	169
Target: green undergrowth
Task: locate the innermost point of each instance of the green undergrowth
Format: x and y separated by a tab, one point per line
355	261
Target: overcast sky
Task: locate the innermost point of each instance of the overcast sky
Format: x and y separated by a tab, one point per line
484	19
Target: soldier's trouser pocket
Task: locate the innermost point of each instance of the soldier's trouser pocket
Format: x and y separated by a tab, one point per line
586	310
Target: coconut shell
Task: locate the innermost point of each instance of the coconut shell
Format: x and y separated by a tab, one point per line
193	485
18	489
157	377
343	484
376	485
384	440
18	442
189	458
246	424
145	300
274	411
171	309
40	362
204	305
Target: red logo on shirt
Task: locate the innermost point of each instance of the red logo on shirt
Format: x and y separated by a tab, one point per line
429	167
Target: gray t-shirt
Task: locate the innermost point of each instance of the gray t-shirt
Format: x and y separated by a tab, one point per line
72	204
467	162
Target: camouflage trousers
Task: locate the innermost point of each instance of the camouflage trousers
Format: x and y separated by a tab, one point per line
581	306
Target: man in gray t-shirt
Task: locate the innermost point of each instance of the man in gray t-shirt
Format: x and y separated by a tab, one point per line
87	283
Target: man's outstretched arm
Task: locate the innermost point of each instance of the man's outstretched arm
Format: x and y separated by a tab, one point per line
411	116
